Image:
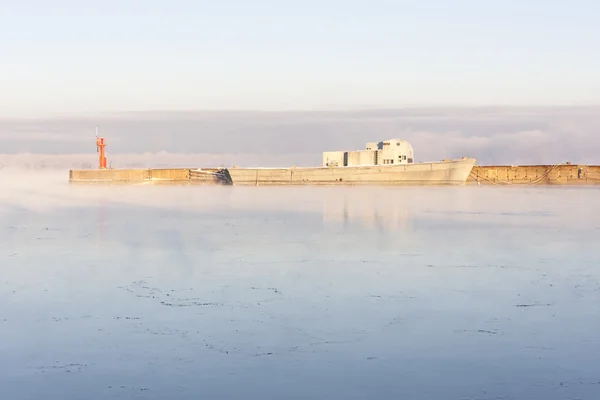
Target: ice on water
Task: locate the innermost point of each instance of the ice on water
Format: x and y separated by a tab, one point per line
297	292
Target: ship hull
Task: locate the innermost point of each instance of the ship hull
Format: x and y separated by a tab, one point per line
453	172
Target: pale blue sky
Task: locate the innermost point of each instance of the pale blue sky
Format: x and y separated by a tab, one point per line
67	56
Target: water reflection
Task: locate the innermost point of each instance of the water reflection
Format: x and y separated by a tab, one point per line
367	210
298	293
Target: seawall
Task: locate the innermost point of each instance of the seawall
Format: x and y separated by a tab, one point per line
562	174
173	176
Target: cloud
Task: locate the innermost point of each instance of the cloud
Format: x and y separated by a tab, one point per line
162	159
494	135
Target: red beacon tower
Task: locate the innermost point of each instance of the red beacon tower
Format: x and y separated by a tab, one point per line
100	145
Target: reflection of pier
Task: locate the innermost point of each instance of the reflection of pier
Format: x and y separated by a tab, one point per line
370	210
101	223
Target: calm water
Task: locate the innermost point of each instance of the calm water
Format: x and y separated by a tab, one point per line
320	293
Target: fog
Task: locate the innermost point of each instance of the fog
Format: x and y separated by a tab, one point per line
48	191
154	292
493	135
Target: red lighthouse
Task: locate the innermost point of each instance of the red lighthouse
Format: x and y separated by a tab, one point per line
100	145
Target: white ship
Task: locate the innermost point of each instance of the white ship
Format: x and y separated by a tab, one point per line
385	163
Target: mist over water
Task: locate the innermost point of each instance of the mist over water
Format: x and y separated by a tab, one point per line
297	292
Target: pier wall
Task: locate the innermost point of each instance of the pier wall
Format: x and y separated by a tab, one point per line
562	174
131	176
110	175
170	174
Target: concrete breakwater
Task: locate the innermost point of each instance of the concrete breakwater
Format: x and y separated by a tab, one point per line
177	176
561	174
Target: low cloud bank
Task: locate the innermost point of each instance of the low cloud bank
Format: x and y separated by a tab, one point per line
162	159
494	135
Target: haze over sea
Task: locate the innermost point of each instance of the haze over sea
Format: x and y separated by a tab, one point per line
491	134
151	292
309	292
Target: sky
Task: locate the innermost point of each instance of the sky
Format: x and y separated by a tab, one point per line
68	57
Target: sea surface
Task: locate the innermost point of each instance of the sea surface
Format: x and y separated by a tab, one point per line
155	292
